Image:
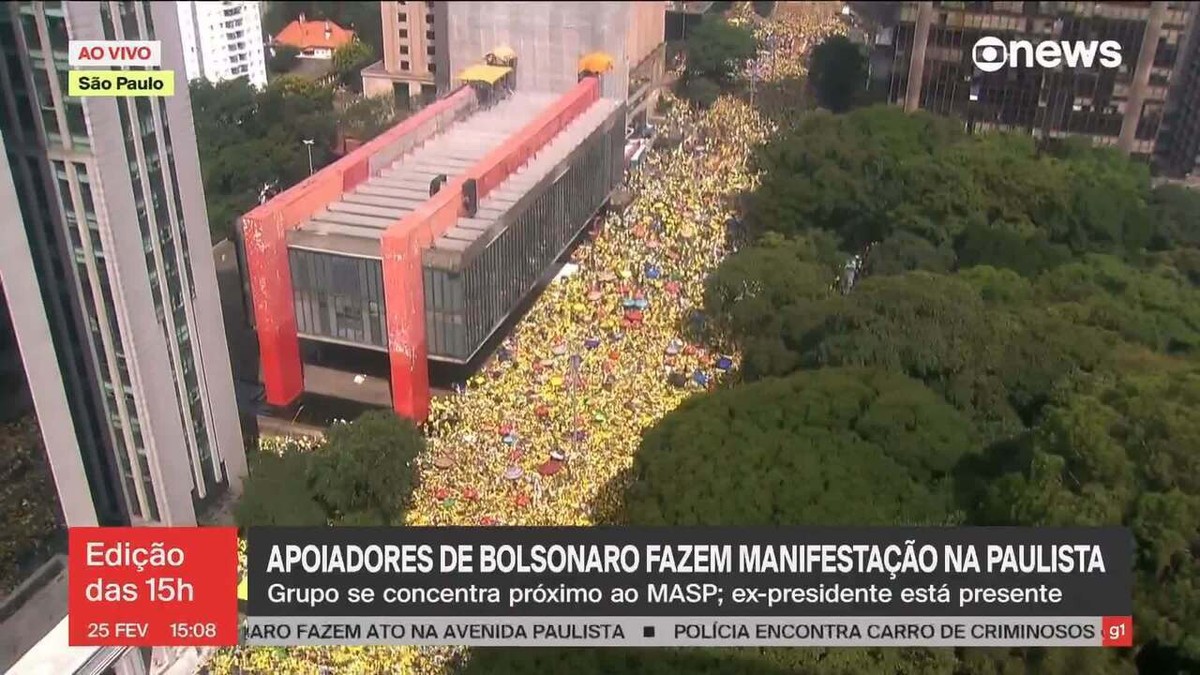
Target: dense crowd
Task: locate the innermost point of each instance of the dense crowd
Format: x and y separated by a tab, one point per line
542	435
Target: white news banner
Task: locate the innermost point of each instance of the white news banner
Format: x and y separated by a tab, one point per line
679	632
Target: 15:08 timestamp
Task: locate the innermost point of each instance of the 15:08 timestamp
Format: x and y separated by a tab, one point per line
188	631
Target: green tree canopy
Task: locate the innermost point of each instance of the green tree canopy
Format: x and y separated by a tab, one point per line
838	73
1123	448
283	60
349	60
802	450
716	49
364	472
247	138
279	492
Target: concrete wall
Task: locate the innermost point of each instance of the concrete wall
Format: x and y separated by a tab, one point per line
548	37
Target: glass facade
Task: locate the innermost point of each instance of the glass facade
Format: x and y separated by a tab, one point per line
59	211
49	142
464	306
338	297
1092	103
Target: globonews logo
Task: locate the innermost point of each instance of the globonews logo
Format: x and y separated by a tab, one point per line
991	54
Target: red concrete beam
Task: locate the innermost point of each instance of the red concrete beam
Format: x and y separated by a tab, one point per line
265	231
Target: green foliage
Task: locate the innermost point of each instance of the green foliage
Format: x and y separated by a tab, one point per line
1175	214
279	492
733	457
1123	448
838	73
283	59
364	473
349	60
716	50
361	474
997	199
28	507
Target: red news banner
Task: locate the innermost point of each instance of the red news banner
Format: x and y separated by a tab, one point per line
153	586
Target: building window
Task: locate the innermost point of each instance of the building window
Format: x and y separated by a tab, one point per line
403	32
431	50
403	49
433	68
429	35
404	65
402	17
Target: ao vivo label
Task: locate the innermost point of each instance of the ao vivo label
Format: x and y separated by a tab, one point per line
85	53
152	586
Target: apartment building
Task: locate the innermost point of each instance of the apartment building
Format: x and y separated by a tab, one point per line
932	67
414	67
222	41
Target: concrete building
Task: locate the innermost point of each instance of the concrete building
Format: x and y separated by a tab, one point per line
420	244
414	67
222	41
550	37
106	265
427	44
1178	151
932	67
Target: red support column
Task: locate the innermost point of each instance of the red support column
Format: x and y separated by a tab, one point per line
404	294
274	311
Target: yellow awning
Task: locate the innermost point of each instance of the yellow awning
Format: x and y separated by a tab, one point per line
242	590
482	73
596	62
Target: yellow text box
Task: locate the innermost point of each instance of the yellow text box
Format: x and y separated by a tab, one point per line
121	83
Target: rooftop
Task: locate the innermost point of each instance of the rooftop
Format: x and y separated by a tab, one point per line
355	222
305	34
468	233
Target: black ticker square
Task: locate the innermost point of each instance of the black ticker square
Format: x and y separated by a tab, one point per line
647	631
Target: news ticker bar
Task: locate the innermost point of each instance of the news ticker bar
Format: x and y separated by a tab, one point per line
624	631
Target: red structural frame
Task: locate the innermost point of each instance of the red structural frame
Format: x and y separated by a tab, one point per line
265	231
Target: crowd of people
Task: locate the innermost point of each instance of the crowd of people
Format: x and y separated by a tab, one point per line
543	433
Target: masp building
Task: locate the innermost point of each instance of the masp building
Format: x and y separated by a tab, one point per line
423	241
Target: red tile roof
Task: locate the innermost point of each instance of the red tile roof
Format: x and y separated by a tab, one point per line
308	34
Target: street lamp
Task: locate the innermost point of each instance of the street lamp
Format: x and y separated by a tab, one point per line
308	143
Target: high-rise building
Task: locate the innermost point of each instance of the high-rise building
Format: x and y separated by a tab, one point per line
414	66
110	212
222	41
933	69
106	265
1178	151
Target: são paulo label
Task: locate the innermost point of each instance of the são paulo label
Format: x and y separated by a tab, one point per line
121	83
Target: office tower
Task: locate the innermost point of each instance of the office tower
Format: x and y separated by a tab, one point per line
1178	151
222	41
932	67
109	275
414	67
